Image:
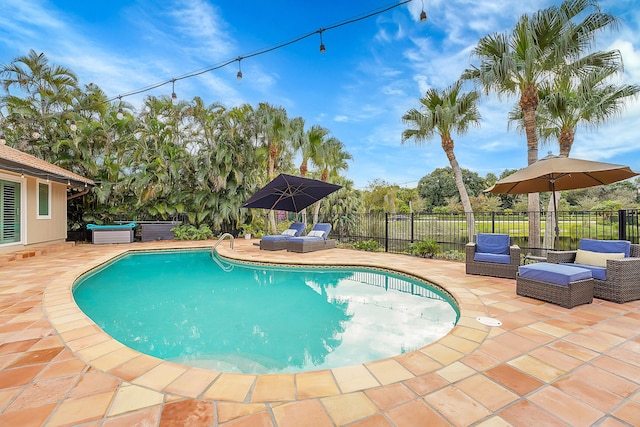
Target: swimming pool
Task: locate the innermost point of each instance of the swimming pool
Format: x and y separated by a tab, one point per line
183	307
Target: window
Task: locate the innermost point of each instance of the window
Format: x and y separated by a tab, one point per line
44	200
9	212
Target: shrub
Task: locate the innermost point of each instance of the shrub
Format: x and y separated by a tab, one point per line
424	248
367	245
190	232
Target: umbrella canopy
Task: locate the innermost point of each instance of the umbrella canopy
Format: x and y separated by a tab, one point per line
553	173
290	193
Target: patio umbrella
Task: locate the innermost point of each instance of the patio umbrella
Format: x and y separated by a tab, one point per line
290	193
553	173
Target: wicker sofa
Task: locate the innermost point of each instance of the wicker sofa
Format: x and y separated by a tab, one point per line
616	280
492	255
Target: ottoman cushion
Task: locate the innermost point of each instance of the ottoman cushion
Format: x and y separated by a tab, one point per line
558	274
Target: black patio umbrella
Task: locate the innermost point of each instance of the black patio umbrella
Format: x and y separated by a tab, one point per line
290	193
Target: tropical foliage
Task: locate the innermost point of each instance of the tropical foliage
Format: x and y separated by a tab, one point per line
172	159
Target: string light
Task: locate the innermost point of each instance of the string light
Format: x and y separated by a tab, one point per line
423	14
322	48
3	139
173	89
73	126
262	52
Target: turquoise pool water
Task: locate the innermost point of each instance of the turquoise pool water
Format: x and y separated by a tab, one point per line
182	306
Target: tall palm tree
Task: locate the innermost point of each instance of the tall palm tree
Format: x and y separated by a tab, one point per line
444	113
567	103
539	45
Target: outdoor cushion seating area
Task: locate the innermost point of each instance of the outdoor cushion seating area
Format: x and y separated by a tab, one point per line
278	242
315	240
492	255
564	285
614	265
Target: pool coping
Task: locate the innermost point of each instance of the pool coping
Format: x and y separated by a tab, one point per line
99	350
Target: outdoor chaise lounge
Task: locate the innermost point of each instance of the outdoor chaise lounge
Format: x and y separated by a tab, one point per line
315	240
279	241
112	233
614	264
492	255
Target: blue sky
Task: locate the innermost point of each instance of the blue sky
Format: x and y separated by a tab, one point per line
373	70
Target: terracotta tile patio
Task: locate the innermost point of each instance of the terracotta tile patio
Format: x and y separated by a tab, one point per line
545	365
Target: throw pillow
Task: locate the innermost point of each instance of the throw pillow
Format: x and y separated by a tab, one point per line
289	232
316	233
597	259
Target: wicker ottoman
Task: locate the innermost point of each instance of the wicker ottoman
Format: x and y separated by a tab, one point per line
566	286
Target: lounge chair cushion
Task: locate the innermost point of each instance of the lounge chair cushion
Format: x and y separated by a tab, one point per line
316	233
597	259
608	246
493	243
558	274
495	258
599	273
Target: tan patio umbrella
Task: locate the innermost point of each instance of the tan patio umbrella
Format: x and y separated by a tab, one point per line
553	173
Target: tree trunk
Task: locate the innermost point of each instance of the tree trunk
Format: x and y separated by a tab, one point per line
529	104
565	140
447	145
271	171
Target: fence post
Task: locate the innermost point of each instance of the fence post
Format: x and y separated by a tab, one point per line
411	227
493	222
622	224
386	231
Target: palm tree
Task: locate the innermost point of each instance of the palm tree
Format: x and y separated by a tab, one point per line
567	103
36	120
309	144
331	158
539	45
444	113
273	129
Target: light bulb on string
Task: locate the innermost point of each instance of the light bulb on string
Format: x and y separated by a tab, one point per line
423	14
3	139
239	75
73	126
120	114
322	48
173	89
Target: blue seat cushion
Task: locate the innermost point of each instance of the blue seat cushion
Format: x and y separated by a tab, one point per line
495	258
493	243
558	274
276	238
606	246
599	273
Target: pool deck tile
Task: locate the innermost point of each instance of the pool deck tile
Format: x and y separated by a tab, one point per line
546	365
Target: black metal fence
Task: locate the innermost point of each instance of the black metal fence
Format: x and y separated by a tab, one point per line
395	232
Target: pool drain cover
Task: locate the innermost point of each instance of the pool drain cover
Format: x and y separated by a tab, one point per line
489	321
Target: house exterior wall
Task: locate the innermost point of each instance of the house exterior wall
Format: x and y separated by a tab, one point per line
36	229
53	227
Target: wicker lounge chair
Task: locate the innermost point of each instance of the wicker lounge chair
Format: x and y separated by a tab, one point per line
616	280
315	240
279	241
492	255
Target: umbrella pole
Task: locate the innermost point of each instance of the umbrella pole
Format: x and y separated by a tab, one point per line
555	213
